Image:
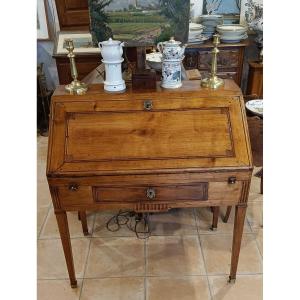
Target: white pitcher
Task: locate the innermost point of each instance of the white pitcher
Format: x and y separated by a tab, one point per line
112	52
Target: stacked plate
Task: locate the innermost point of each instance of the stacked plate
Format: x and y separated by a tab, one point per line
232	33
195	34
210	23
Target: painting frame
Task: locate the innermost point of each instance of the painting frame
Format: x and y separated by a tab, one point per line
76	36
42	21
139	23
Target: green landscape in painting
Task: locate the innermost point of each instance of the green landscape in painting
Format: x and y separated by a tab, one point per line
139	22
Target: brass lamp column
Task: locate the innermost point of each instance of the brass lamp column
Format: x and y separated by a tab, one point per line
213	81
75	87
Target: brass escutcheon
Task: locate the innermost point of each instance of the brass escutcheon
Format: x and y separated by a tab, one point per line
150	193
148	105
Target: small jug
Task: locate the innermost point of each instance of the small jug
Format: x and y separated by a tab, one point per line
172	56
111	50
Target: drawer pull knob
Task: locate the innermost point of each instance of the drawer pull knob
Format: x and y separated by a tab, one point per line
73	187
232	180
148	105
150	193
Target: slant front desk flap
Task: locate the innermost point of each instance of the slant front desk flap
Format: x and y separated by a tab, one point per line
190	128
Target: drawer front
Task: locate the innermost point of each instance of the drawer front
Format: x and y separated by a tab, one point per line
153	192
225	74
226	59
196	192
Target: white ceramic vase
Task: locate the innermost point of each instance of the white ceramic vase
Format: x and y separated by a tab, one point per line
172	56
112	52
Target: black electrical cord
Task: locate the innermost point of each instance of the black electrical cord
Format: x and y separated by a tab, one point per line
136	222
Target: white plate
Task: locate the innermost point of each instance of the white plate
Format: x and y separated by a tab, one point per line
232	40
199	39
255	106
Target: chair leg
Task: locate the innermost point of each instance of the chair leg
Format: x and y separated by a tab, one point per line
216	211
228	211
83	220
79	216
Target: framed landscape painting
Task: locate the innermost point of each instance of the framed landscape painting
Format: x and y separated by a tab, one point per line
139	22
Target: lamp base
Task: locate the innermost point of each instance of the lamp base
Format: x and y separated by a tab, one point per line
212	82
76	87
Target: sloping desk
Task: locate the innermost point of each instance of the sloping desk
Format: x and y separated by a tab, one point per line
149	152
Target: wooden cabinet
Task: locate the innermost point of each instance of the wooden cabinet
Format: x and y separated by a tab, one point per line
84	63
189	148
255	79
230	60
73	14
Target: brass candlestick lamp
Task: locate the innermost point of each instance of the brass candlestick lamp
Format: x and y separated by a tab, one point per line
75	87
213	81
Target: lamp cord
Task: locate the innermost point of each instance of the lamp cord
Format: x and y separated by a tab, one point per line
135	222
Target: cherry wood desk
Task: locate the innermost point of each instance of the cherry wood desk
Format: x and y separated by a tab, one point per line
149	152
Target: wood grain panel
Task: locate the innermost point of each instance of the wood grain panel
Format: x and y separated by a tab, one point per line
149	135
162	193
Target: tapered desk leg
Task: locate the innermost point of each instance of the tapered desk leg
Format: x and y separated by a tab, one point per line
83	220
63	227
240	213
216	211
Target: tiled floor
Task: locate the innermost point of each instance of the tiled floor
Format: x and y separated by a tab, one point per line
182	259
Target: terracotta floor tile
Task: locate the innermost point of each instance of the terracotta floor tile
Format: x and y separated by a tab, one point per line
113	289
116	257
58	290
204	218
178	288
41	217
174	255
100	229
258	234
42	148
50	229
51	261
43	194
173	222
217	254
246	287
41	172
255	182
255	214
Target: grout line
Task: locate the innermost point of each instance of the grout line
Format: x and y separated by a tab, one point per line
168	235
202	253
85	267
146	267
153	276
44	222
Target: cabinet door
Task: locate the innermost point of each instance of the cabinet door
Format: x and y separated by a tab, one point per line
226	59
73	14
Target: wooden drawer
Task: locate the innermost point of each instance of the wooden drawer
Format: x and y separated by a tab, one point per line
226	59
225	74
150	193
196	192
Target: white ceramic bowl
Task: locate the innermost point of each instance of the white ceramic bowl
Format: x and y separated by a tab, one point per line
154	60
195	27
231	30
211	20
